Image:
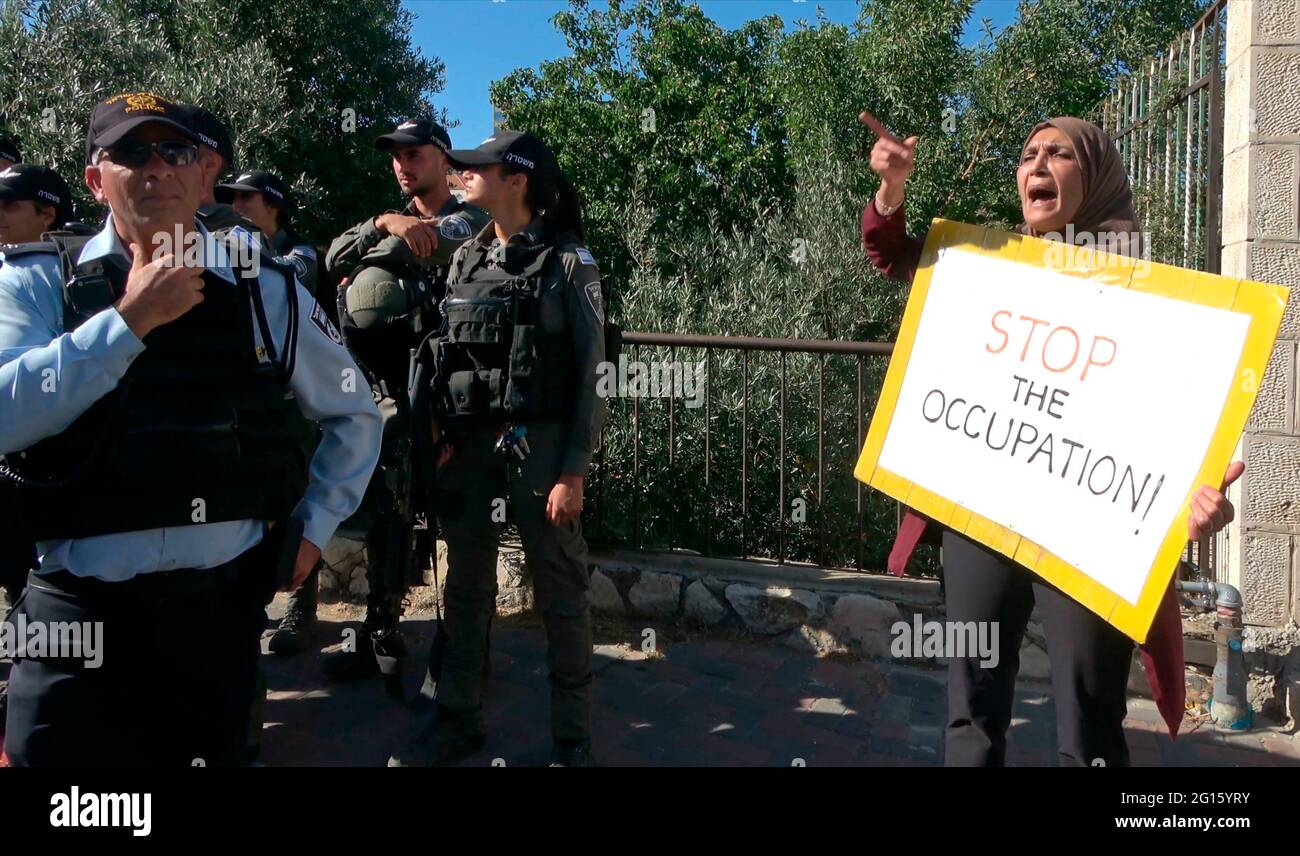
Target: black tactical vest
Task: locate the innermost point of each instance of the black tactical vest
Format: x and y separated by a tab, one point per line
197	431
495	359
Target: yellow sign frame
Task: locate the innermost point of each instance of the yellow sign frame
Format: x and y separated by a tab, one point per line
1264	304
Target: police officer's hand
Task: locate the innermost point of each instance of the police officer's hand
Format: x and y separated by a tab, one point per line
564	505
308	556
157	292
1211	510
891	158
419	233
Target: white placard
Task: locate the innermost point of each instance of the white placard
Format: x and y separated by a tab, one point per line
1093	451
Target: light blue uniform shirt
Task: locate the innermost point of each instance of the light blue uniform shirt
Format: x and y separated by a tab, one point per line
89	362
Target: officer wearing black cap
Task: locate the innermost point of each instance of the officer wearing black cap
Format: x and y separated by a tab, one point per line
34	200
394	267
514	392
153	386
264	199
10	152
216	156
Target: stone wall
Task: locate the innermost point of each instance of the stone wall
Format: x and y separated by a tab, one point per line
1261	241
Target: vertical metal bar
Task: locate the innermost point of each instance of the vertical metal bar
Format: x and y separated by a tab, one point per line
861	511
1188	176
1214	192
602	473
821	453
744	454
1201	154
672	438
636	462
708	453
780	468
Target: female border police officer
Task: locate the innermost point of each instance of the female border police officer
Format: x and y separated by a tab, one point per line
515	394
1069	174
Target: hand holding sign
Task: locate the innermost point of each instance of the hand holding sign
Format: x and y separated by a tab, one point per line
1211	510
892	159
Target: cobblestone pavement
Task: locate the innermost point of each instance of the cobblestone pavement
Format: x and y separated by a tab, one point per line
702	701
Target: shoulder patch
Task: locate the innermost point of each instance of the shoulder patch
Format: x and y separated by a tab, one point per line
454	227
322	321
584	256
594	298
300	265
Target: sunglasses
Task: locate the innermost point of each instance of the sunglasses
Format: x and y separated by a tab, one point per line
173	152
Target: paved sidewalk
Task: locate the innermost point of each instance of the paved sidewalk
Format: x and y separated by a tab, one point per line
702	702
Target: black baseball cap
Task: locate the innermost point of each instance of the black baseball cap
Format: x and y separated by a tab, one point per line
9	149
209	130
268	184
517	148
114	118
416	132
40	184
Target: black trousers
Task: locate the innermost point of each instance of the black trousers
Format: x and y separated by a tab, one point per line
1089	658
471	486
176	681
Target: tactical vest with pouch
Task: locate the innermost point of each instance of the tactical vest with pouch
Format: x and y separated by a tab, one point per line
497	358
198	430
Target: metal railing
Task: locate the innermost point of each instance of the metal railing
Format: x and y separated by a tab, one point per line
1167	121
711	478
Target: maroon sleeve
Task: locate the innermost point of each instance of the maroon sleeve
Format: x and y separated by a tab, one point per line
894	253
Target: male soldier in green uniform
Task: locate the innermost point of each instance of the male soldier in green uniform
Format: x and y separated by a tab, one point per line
394	269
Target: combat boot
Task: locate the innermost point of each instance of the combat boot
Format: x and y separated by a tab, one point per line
449	736
299	622
380	642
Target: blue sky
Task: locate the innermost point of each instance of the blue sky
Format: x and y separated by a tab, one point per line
484	40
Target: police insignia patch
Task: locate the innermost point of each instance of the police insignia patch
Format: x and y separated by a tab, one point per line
322	321
596	301
454	228
584	256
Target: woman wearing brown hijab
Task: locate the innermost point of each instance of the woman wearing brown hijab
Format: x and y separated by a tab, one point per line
1073	188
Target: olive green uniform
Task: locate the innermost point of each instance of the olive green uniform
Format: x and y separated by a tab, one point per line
458	223
474	479
386	357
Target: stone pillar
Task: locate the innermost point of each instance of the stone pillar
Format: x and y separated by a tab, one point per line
1261	241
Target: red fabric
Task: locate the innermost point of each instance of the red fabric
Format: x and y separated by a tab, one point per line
1162	657
896	254
909	535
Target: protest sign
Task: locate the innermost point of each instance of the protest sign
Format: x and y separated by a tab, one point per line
1061	405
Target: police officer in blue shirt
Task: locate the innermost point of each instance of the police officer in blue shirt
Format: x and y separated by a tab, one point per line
265	200
153	386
